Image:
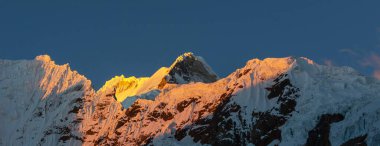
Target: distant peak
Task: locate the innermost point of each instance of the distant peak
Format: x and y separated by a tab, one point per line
272	62
267	68
43	58
190	68
122	87
187	55
117	80
185	69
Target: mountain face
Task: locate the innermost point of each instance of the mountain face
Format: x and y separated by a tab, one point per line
185	69
40	101
275	101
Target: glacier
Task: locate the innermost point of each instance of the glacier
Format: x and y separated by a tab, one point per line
275	101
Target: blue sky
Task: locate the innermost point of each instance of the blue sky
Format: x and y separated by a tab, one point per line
102	39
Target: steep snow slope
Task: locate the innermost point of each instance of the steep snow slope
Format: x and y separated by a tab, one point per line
123	87
334	90
190	68
185	69
275	101
38	101
180	112
285	101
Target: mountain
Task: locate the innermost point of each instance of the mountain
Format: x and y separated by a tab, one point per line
185	69
39	102
275	101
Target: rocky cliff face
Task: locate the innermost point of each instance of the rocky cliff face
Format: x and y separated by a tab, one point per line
190	68
275	101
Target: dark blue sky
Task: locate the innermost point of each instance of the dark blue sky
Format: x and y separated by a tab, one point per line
101	39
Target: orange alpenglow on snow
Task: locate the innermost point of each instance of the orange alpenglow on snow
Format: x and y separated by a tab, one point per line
186	104
123	87
186	68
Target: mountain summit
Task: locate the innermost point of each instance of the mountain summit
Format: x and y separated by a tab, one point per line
190	68
185	69
275	101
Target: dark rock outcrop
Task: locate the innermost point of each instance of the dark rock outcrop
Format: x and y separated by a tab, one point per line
319	136
222	130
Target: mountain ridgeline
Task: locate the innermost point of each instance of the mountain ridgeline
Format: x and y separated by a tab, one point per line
276	101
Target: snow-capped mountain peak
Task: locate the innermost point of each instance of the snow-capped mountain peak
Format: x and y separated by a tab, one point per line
190	68
44	58
185	69
275	101
37	101
121	87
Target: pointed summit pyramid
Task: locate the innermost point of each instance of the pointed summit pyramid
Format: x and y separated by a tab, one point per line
274	101
190	68
185	69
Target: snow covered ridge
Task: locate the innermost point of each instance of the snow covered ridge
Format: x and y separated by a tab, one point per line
275	101
39	101
185	69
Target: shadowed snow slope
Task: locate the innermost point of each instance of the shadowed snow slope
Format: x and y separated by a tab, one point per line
38	101
275	101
